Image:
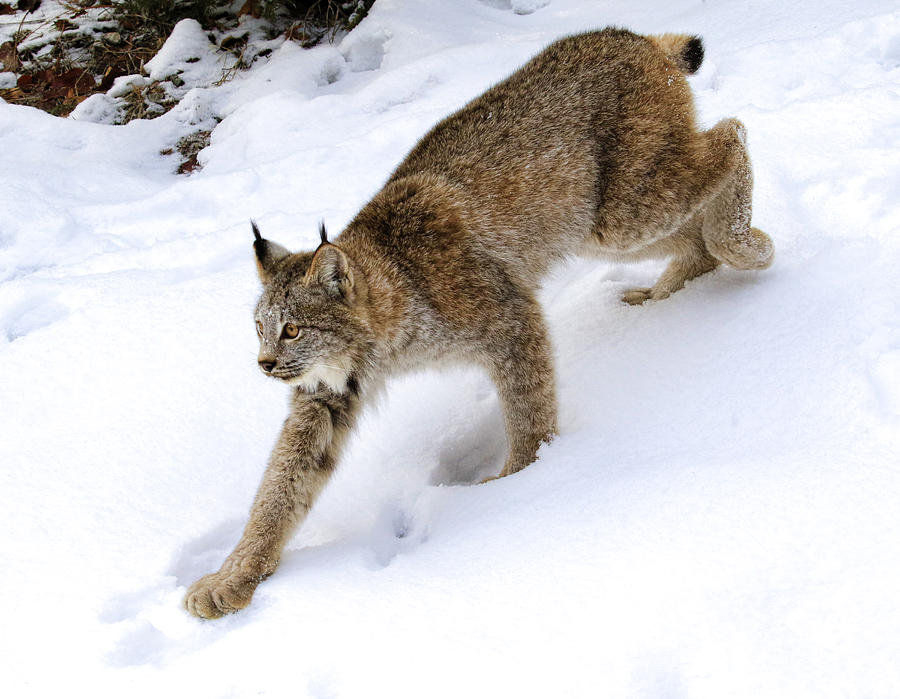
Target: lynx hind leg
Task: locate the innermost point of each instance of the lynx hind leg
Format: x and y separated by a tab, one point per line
521	367
719	230
726	217
690	259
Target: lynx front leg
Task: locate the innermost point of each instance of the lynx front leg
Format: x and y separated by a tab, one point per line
679	271
522	369
299	468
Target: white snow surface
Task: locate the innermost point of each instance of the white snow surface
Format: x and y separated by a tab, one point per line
718	517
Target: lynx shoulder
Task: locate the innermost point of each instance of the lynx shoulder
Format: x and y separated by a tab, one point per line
591	148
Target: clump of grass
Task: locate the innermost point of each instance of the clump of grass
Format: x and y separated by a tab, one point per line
311	21
189	147
147	102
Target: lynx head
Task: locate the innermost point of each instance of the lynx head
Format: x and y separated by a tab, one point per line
309	319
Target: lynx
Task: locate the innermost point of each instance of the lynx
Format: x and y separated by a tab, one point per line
591	148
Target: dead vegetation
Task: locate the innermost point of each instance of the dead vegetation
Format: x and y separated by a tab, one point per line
58	61
61	60
189	148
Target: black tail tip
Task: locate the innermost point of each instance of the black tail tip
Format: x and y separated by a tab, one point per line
692	54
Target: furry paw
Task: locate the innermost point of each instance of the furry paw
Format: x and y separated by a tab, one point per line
637	296
218	594
762	249
750	249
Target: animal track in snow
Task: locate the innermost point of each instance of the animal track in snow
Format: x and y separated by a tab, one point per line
520	7
403	527
365	52
143	645
205	553
29	311
150	625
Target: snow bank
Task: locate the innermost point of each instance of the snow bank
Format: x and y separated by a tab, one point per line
717	518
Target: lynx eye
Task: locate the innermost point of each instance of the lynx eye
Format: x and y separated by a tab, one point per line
259	328
290	331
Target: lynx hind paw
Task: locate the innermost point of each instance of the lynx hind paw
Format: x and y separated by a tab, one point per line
764	248
751	249
213	596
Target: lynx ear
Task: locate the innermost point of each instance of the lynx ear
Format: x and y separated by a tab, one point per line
330	269
268	254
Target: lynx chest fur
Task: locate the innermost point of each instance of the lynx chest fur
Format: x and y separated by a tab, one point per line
591	148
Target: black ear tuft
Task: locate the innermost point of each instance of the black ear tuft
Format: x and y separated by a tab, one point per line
259	244
322	233
692	54
268	254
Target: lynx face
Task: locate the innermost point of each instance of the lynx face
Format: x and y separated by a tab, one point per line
300	341
307	321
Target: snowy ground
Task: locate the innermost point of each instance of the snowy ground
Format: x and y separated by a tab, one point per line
719	516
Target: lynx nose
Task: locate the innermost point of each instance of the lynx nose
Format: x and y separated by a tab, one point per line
267	364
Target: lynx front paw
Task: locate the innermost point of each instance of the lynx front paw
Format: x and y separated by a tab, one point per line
218	594
637	296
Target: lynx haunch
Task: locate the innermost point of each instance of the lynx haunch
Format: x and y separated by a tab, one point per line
591	148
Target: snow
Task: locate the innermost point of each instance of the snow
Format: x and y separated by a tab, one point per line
186	49
526	7
718	516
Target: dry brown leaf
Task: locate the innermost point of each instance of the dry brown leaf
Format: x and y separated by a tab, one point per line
9	57
251	7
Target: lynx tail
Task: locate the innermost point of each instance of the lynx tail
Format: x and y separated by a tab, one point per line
684	50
